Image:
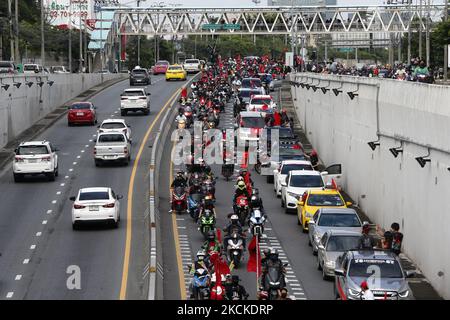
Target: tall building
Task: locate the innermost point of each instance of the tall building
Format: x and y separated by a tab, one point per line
298	3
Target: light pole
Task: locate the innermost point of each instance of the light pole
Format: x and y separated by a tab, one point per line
139	36
80	64
70	36
42	35
446	45
11	37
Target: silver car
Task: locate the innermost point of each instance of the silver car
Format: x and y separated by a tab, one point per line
326	219
381	270
333	244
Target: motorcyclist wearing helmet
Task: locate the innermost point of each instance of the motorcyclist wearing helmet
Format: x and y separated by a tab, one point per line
421	69
234	225
180	115
212	244
179	181
235	291
273	261
256	201
200	262
241	190
207	204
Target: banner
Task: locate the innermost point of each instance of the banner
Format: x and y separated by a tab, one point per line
65	12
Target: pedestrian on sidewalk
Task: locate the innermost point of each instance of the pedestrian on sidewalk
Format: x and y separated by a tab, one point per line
392	239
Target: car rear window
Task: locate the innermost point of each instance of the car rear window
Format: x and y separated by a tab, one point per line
139	71
289	167
113	125
191	61
261	101
98	195
251	83
111	138
133	93
175	68
249	93
6	65
252	122
29	67
80	106
342	243
339	220
329	200
32	150
306	181
162	63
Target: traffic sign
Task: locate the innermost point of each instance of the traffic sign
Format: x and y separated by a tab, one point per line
226	26
345	49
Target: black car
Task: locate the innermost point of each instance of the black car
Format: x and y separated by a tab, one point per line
139	76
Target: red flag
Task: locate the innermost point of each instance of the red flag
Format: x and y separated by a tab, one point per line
219	235
184	92
277	119
254	259
334	184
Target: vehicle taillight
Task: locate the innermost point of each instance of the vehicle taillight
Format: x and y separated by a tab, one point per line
78	206
18	159
122	98
143	98
125	150
95	150
109	205
46	159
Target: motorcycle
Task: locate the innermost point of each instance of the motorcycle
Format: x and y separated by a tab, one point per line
189	118
241	208
227	170
194	203
274	281
207	223
234	249
209	189
179	200
256	223
425	78
201	283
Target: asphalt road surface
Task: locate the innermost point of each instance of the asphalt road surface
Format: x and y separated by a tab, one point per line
40	251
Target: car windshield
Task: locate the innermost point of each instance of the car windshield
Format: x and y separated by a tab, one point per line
339	220
191	61
282	132
291	154
251	83
364	268
248	93
162	63
6	65
331	200
252	122
289	167
32	150
80	106
97	195
113	125
29	67
175	68
135	93
342	243
111	138
57	68
139	71
306	181
261	101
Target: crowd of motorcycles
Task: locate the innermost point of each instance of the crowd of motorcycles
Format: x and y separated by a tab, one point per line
193	191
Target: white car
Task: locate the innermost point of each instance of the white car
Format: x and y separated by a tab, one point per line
35	158
32	68
134	100
192	65
112	146
298	182
282	172
249	125
121	125
258	101
96	204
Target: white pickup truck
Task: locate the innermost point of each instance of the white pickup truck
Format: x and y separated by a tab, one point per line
112	146
191	65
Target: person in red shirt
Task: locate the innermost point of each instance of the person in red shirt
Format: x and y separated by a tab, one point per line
276	118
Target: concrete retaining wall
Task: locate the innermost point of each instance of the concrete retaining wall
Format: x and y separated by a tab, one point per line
389	189
21	107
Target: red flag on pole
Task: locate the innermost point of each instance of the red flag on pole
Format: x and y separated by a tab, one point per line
334	184
254	260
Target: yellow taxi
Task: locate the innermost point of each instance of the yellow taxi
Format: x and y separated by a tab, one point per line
312	200
176	71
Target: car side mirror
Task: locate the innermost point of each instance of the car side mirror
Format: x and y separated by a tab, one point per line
339	272
118	197
410	273
72	198
149	94
15	150
349	203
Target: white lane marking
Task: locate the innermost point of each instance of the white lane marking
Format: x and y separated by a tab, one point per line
82	151
54	201
90	140
38	234
94	135
86	146
9	295
49	211
18	277
78	157
66	177
33	246
74	163
26	261
62	184
70	170
58	193
44	222
181	227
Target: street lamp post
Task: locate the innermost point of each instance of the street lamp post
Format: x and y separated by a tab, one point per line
42	35
80	64
446	46
70	36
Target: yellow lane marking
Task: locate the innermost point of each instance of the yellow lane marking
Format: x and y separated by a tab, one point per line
176	238
126	261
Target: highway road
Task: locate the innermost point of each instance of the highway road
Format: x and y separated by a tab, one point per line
183	239
37	242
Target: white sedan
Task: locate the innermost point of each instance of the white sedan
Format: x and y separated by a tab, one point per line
96	204
109	125
286	166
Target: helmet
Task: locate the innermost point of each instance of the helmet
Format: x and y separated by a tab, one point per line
263	295
241	185
254	201
211	235
228	278
255	191
266	252
201	255
234	218
180	174
365	228
273	254
207	212
240	179
235	279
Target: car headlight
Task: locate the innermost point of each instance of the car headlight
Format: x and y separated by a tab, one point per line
317	237
309	214
330	264
403	294
352	292
292	194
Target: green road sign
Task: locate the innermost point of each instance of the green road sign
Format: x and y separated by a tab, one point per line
226	26
345	49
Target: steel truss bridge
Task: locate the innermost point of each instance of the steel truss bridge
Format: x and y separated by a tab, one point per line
273	20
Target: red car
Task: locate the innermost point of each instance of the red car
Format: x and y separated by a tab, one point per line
161	67
82	112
